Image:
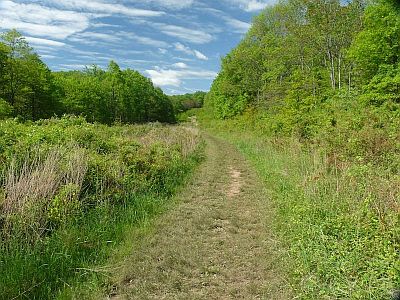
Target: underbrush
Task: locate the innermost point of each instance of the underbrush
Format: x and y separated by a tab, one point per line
69	190
337	200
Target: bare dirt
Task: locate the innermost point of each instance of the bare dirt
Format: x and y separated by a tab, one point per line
216	243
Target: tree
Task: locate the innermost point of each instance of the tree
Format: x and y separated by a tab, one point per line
295	50
41	101
378	44
376	52
17	50
32	91
114	81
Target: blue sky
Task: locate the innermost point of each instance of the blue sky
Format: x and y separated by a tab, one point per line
177	43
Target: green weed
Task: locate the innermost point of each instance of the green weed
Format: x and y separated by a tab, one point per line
70	192
338	218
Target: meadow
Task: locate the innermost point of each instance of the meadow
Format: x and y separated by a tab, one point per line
70	191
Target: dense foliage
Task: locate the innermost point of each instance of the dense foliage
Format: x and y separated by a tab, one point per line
323	71
29	90
71	189
314	86
183	103
300	56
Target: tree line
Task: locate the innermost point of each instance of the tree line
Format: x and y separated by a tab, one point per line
183	103
301	54
31	91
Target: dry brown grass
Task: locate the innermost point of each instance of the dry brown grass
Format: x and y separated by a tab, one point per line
186	137
30	187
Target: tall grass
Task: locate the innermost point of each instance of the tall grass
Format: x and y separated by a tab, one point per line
339	219
70	190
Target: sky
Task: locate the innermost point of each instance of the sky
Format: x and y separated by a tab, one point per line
177	43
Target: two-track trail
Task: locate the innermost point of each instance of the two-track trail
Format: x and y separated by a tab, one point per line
215	244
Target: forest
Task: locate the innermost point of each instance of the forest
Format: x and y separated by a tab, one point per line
309	66
30	91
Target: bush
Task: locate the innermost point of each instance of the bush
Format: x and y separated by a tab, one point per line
70	187
6	109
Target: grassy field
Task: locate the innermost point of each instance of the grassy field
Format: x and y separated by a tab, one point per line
70	191
215	243
338	220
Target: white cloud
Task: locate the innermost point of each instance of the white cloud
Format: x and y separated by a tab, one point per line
48	56
41	21
182	48
103	25
170	77
200	55
96	6
59	19
164	77
43	42
129	53
96	36
171	4
120	37
238	26
255	5
189	35
180	65
251	5
72	66
147	41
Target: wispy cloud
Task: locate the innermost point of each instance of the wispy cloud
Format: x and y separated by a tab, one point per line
59	19
171	4
48	56
238	26
96	36
146	40
180	65
96	6
182	48
186	34
112	38
175	77
71	67
251	5
140	34
44	42
42	21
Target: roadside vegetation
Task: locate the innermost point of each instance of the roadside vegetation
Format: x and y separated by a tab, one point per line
75	175
338	221
311	96
70	191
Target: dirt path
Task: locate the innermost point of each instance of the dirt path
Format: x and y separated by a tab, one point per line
216	244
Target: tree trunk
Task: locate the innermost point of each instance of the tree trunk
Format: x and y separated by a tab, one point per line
332	69
340	71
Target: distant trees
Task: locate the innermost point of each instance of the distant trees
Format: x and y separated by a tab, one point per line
186	102
29	89
112	95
